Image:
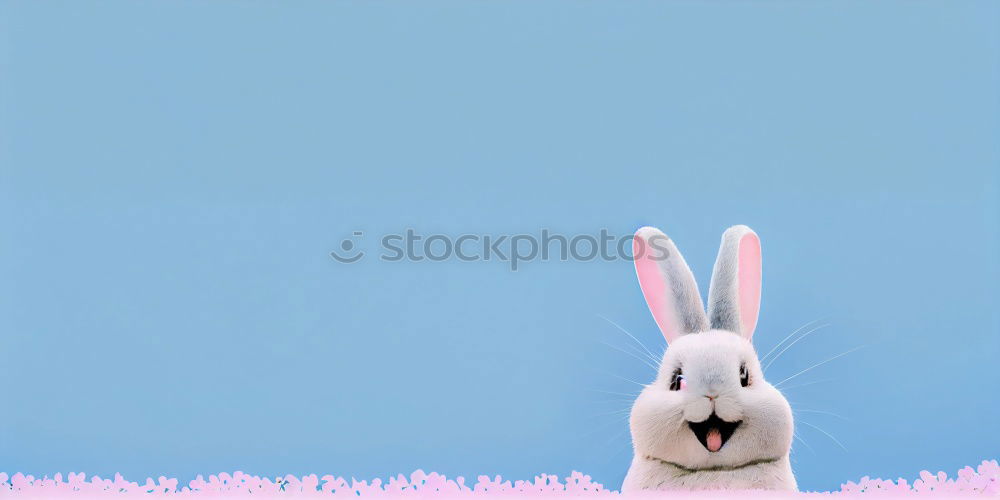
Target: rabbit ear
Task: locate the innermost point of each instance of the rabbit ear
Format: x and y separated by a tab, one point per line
668	285
734	295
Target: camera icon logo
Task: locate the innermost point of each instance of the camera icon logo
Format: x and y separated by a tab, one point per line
347	247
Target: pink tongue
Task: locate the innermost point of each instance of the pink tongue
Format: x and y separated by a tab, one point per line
713	440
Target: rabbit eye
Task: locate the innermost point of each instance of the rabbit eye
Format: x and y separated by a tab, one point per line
744	375
677	381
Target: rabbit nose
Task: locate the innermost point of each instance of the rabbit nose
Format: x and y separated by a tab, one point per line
711	397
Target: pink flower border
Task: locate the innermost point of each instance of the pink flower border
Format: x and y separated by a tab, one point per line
983	481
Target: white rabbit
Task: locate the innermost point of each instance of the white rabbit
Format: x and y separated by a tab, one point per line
709	420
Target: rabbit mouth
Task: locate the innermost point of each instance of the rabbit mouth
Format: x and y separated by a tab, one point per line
713	432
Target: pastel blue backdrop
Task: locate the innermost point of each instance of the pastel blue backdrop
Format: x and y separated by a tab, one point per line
174	174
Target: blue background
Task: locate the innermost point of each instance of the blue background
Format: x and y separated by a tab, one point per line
174	174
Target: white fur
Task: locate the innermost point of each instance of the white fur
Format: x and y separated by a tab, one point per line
667	453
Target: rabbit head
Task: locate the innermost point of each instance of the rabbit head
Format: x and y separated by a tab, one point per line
709	408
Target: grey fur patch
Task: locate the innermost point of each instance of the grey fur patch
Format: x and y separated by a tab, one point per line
687	298
723	293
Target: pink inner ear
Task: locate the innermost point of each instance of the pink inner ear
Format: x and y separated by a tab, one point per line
654	288
749	283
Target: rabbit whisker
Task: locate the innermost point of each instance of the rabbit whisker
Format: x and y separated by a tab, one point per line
832	414
647	363
631	395
803	441
600	427
616	438
797	330
806	384
615	400
778	356
622	411
821	363
649	353
835	440
625	379
623	445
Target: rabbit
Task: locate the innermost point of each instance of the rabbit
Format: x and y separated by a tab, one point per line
709	420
